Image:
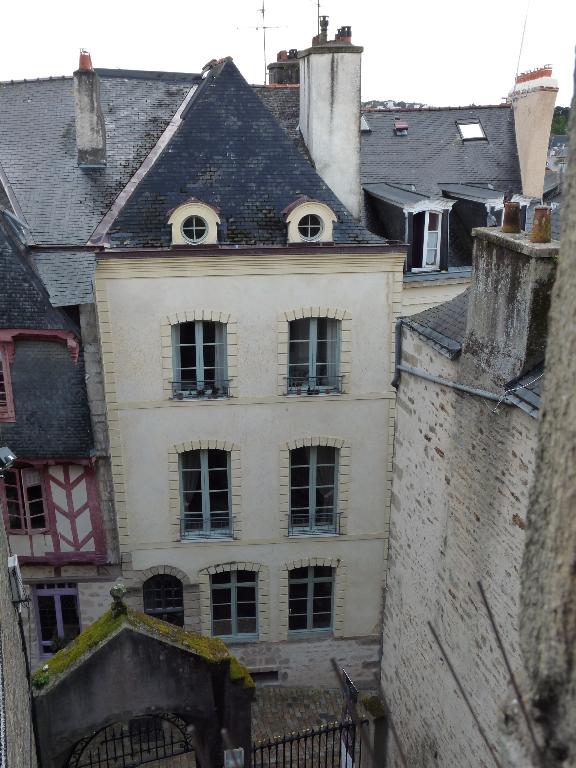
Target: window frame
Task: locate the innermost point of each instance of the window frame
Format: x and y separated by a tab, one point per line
312	527
165	609
220	380
7	413
56	590
318	223
206	532
460	123
26	528
310	580
436	266
294	389
233	586
205	224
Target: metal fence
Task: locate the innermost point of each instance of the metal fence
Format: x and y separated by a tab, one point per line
334	745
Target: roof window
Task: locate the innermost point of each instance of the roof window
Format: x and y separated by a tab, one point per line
309	221
470	130
194	223
400	127
364	125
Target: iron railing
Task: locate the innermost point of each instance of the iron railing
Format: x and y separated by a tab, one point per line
334	745
200	390
314	385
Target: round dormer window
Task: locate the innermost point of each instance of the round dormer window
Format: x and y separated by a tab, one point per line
310	227
194	229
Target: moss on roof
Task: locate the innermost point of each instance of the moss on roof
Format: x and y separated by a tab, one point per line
211	649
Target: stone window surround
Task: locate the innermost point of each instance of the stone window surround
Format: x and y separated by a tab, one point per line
134	582
189	316
343	489
314	208
307	312
263	596
338	595
174	486
207	212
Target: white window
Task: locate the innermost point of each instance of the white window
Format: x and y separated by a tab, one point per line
194	229
426	240
313	479
310	227
310	593
205	498
471	130
314	356
199	360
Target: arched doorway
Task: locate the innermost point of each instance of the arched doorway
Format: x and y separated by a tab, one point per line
147	739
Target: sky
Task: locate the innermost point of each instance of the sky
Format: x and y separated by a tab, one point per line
447	52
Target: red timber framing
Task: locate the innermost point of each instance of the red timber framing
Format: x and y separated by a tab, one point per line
51	512
6	398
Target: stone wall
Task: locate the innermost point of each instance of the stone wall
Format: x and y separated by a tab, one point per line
17	740
460	489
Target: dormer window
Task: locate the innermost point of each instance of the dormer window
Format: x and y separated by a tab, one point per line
310	227
194	229
194	223
309	221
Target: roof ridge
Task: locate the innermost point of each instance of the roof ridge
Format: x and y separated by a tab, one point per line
49	79
434	109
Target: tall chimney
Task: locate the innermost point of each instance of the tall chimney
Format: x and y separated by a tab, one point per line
533	98
286	69
508	307
90	126
330	112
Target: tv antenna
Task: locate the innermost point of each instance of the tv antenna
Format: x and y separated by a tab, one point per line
522	40
264	27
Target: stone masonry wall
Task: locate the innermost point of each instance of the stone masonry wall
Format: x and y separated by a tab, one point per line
460	488
20	750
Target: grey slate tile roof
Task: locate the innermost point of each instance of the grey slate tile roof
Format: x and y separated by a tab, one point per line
49	390
284	103
231	153
433	152
67	275
62	203
444	324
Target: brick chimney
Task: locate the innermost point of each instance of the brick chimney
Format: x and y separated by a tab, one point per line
507	321
533	98
330	111
90	126
286	69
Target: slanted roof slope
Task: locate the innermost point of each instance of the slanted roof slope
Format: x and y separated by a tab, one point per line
231	153
433	152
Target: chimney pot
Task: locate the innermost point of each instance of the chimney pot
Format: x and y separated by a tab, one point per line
511	218
85	63
281	55
542	224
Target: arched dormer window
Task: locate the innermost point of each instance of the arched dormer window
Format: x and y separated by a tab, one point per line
309	221
194	223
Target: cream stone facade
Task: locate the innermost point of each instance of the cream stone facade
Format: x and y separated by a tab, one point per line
139	299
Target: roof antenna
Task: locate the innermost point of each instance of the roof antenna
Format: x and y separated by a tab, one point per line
263	27
522	41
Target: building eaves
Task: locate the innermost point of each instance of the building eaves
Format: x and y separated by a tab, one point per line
393	194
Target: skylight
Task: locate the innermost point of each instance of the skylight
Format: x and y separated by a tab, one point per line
364	125
471	130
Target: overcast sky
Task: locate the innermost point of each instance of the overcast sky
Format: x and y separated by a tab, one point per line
447	52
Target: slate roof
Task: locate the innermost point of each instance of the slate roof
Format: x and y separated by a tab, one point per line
231	153
433	153
444	324
526	392
62	203
67	275
284	103
49	390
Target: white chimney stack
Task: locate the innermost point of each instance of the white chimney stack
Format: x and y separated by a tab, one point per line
330	111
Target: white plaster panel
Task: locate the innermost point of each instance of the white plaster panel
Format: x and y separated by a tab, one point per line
84	525
79	495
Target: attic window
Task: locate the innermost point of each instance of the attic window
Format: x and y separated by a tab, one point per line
471	131
194	229
400	127
364	125
310	227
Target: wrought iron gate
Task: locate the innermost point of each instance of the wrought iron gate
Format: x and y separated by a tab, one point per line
334	745
134	742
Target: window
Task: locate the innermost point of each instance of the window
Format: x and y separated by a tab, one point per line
25	504
310	227
313	473
57	615
426	240
199	357
314	356
194	229
164	599
205	496
234	603
471	130
310	593
6	402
